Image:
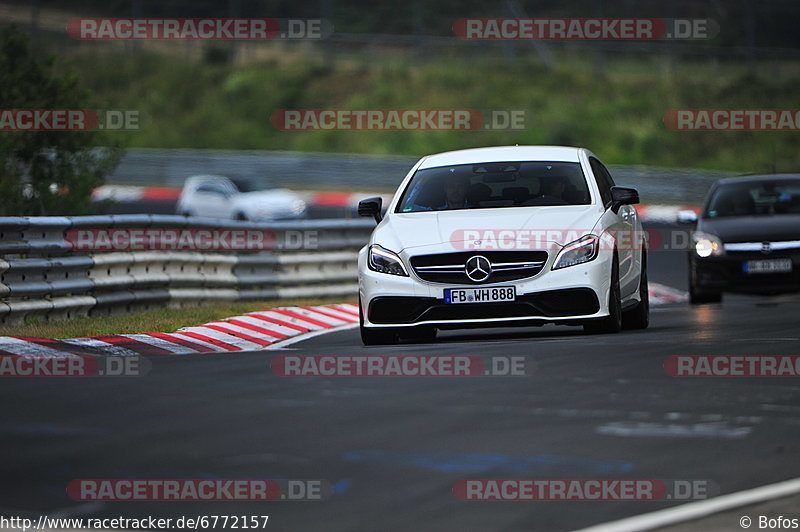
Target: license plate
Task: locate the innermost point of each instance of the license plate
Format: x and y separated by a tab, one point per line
480	295
767	266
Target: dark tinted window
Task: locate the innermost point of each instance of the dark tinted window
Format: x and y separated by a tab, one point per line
213	189
603	179
755	198
495	184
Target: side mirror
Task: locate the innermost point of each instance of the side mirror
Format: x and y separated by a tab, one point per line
687	217
623	196
371	207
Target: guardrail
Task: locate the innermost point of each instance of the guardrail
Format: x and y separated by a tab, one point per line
331	171
44	273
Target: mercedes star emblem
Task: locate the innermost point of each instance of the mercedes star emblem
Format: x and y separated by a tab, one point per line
478	268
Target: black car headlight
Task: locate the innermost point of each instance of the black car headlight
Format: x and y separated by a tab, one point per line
582	250
385	261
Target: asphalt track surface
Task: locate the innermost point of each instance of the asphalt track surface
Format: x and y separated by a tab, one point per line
392	448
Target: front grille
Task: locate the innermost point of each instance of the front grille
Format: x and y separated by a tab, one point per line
781	248
449	268
552	303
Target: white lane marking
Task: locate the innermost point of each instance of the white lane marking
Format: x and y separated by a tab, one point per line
102	346
673	430
699	509
25	348
307	336
176	349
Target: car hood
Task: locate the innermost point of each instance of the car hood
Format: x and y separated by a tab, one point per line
557	224
775	228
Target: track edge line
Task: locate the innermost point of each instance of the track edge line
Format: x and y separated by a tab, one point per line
696	510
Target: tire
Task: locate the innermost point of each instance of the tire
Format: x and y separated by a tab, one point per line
375	336
639	317
698	296
421	334
612	323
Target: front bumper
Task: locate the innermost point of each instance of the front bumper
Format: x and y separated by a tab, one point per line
726	273
569	296
530	308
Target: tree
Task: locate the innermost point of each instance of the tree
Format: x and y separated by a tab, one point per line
46	172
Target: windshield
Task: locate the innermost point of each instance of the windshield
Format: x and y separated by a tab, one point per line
757	198
493	185
251	184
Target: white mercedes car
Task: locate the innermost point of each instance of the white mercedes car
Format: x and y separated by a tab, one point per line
517	235
217	196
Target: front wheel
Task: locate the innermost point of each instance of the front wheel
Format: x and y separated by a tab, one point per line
639	317
612	323
375	336
698	296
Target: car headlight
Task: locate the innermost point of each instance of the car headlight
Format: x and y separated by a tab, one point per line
582	250
706	244
384	261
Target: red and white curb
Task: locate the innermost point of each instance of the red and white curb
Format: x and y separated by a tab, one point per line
661	294
250	332
255	331
662	213
129	194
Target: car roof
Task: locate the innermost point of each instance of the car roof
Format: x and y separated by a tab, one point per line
756	178
503	154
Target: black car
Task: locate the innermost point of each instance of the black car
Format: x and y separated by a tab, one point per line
747	238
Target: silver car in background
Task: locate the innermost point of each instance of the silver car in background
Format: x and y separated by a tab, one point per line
217	196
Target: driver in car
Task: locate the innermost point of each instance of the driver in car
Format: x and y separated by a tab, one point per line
553	187
455	190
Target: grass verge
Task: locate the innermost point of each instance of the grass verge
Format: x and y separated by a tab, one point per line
157	320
